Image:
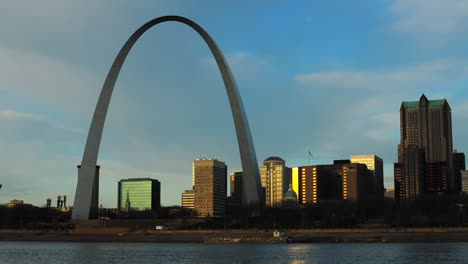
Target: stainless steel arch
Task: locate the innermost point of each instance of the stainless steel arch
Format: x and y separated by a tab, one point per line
251	179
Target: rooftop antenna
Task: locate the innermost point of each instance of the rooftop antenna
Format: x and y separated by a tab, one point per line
310	156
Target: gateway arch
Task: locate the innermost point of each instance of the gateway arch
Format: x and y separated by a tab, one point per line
86	175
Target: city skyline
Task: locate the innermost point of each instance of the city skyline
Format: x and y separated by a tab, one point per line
292	78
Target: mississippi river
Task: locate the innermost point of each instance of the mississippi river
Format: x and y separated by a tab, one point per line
140	253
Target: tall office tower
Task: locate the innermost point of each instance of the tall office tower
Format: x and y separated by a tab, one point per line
236	187
210	187
188	199
458	165
425	161
275	178
464	181
375	164
95	194
139	193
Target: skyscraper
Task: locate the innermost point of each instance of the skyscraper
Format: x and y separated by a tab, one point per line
275	178
425	161
210	187
139	194
236	187
375	164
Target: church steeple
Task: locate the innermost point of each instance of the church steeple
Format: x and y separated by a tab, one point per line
127	203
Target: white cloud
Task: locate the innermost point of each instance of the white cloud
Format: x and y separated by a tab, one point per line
13	115
430	16
424	75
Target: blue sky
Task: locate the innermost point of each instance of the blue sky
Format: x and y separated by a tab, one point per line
324	76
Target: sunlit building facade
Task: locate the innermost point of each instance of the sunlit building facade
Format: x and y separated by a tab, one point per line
140	193
342	180
316	183
275	178
188	199
464	181
375	164
210	187
295	182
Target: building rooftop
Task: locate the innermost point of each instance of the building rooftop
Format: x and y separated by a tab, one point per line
274	158
431	103
290	193
138	179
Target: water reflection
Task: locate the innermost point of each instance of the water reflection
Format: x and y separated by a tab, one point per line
139	253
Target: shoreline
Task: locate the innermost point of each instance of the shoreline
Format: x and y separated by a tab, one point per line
199	236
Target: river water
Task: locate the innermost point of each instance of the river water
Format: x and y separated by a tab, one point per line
139	253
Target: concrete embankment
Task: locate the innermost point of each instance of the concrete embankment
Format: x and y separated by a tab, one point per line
201	236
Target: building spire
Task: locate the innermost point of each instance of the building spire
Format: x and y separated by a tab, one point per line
127	202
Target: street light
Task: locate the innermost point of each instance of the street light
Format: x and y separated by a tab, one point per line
460	206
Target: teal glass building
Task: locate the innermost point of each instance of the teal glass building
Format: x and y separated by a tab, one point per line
139	194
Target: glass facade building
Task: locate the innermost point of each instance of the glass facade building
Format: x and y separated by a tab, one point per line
143	194
375	164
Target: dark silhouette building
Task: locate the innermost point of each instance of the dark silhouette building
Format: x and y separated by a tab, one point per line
425	160
236	187
458	166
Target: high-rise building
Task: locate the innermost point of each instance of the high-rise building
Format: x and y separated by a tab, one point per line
425	161
318	182
357	182
188	199
375	164
236	187
409	174
464	181
337	181
210	187
139	194
275	178
95	194
458	165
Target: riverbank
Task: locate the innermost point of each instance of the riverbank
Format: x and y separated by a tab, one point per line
199	236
